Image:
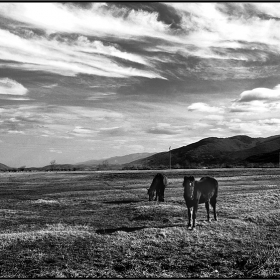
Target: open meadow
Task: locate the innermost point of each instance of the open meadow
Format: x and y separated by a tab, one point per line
101	224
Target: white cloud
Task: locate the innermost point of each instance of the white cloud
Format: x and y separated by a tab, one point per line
97	20
205	108
272	122
83	44
16	98
15	132
260	94
257	101
255	128
204	27
52	150
101	95
213	117
204	23
217	129
207	27
207	22
11	87
64	57
109	128
94	114
167	129
57	121
82	131
49	86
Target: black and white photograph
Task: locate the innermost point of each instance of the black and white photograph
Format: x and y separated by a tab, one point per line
139	139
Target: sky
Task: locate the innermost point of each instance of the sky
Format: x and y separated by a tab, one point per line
82	81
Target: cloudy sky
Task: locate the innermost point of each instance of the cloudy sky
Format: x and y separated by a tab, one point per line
88	81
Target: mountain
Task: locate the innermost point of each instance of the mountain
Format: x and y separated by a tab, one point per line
4	167
117	160
214	152
57	167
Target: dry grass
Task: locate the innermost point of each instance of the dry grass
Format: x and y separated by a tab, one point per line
80	225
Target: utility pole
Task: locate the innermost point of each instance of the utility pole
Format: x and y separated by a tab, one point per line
170	158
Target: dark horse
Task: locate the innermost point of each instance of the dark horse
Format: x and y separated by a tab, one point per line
203	191
158	185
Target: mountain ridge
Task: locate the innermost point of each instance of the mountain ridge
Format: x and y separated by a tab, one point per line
117	159
238	150
214	151
4	167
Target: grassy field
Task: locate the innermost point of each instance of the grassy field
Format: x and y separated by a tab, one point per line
101	224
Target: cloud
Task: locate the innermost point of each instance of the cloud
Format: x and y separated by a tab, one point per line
113	131
202	125
94	20
93	114
164	128
211	23
260	94
83	44
52	150
206	23
204	108
155	130
213	117
81	131
271	122
57	121
66	57
50	86
16	98
136	40
15	132
256	101
252	107
101	95
255	127
11	87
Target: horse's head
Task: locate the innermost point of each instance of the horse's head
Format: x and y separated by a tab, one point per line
189	186
151	193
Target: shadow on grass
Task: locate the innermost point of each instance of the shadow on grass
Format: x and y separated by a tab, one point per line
112	230
122	201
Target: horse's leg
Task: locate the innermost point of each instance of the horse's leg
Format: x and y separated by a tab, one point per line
195	207
162	195
189	217
213	202
207	209
214	210
156	196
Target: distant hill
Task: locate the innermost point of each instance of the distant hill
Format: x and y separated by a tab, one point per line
216	152
240	150
4	167
57	167
117	160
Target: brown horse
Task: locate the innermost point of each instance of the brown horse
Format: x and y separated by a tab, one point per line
158	185
203	191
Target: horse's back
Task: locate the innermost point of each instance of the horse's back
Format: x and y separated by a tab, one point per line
208	182
208	188
162	181
159	181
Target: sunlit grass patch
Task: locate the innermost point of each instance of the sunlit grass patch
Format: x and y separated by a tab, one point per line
56	230
45	201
